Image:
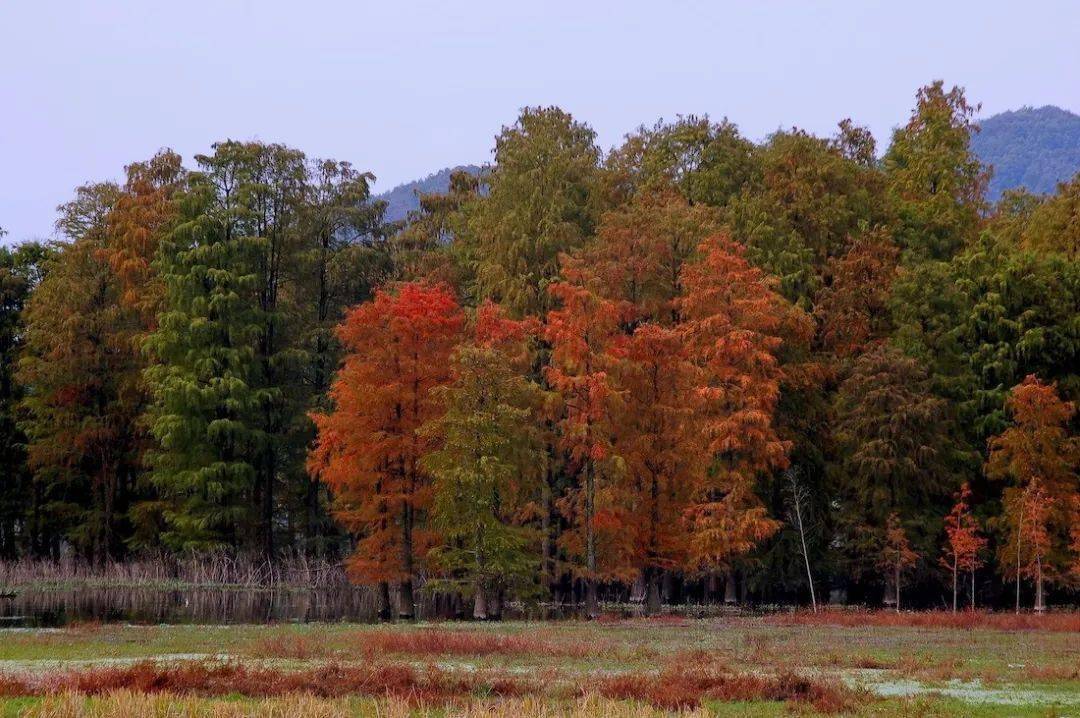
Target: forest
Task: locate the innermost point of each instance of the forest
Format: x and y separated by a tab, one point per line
693	368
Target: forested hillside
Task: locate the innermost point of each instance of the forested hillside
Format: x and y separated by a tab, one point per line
692	367
1030	148
405	197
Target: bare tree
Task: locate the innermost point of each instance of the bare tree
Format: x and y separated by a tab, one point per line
799	496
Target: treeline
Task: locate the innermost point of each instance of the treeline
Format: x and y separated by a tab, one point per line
690	368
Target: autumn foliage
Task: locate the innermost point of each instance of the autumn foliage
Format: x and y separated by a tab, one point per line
370	447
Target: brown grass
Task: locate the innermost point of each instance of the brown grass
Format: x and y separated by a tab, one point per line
675	688
1064	622
139	705
424	642
682	689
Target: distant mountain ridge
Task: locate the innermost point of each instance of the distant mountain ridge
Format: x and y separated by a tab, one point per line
403	199
1031	147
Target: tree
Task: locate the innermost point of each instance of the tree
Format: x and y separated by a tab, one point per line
370	448
21	270
706	162
735	325
487	471
579	332
1054	225
798	500
207	403
963	542
895	452
341	258
852	309
935	182
661	449
1040	456
542	202
897	555
83	399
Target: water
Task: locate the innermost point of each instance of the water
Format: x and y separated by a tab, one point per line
39	608
57	607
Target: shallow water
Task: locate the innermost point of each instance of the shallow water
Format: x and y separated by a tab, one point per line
54	607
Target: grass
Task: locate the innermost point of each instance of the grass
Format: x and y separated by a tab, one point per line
726	666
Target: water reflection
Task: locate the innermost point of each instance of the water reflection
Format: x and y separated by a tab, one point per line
61	606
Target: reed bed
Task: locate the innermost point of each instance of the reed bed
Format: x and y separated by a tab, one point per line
214	569
1059	622
141	705
676	688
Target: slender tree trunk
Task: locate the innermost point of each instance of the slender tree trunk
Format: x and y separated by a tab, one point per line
954	583
1040	606
897	578
1019	533
592	603
406	605
972	589
802	539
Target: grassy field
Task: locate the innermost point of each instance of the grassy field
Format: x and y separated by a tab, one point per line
862	664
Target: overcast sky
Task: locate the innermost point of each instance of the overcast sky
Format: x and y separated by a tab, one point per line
406	88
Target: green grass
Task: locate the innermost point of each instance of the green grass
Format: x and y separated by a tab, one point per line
1043	664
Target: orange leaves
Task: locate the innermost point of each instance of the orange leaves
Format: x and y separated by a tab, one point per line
735	326
369	448
962	531
1041	457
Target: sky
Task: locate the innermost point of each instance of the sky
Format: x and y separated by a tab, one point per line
404	88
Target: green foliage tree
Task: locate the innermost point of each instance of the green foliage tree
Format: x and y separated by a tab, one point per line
896	453
21	270
542	201
487	474
935	181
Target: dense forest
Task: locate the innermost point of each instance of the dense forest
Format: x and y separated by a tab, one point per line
1032	148
691	368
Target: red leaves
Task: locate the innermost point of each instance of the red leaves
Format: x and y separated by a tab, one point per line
369	447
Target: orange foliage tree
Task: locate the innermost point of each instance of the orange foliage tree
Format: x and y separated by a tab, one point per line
897	555
735	324
580	332
1041	457
964	542
369	448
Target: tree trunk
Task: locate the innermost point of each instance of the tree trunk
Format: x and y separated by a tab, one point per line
731	594
384	601
480	607
1040	606
973	589
406	606
954	583
898	587
652	591
592	603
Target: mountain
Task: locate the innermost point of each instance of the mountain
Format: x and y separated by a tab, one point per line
1029	147
403	199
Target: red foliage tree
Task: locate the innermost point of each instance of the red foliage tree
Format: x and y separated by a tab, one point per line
661	448
580	333
964	542
369	447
